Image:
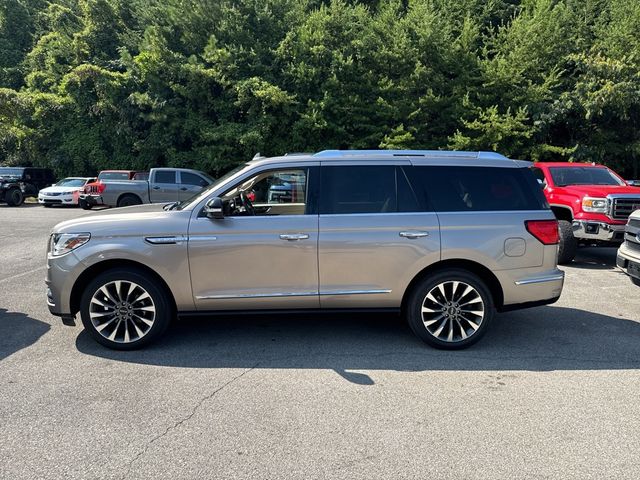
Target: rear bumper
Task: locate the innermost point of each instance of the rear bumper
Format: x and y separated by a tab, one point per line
522	289
598	231
92	199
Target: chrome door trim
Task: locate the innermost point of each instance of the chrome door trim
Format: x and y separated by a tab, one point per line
202	238
354	292
256	295
549	278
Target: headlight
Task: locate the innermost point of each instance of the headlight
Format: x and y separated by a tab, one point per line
62	243
596	205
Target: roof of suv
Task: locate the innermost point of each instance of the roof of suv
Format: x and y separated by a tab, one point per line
417	157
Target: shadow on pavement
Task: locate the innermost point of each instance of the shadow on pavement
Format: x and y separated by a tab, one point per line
541	339
595	258
18	331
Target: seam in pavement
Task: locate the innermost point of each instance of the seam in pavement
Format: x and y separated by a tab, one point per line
18	275
185	419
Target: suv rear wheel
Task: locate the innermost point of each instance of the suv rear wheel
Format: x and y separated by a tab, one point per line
125	309
451	309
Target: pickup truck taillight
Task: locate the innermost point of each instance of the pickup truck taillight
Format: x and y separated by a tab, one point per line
544	230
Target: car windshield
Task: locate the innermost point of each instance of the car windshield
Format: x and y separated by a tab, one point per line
71	182
203	193
563	176
11	172
113	176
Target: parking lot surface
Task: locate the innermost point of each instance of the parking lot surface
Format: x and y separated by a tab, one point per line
550	392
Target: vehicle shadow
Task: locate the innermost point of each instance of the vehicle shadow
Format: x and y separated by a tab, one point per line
24	205
595	258
541	339
18	331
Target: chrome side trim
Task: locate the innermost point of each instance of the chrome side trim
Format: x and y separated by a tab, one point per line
255	295
174	240
354	292
550	278
202	238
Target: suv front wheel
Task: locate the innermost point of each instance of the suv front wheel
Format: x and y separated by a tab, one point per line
124	309
450	309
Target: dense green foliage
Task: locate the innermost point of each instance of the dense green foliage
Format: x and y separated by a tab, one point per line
92	84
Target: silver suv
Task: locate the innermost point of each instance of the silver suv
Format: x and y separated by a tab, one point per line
446	238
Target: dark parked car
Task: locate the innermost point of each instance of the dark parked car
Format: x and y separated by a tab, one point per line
18	183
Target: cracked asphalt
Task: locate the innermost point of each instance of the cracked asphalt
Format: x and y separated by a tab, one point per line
549	393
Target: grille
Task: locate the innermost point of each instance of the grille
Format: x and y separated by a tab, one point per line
52	194
623	207
91	189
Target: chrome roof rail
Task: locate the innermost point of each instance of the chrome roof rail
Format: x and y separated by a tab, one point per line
411	153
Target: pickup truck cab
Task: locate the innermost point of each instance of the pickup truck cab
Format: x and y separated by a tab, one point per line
591	202
160	185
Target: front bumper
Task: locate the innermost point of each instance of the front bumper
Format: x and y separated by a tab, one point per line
92	199
57	200
625	256
598	231
62	273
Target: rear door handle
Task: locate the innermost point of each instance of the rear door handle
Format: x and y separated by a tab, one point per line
183	188
156	188
294	236
414	234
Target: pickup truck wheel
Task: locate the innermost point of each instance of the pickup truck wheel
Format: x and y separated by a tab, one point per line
128	200
84	204
451	309
124	309
568	243
14	197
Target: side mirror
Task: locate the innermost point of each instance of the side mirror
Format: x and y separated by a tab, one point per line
213	209
542	183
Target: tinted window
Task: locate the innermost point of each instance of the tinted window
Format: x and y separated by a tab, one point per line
355	189
538	173
165	176
192	179
113	176
13	172
461	189
563	176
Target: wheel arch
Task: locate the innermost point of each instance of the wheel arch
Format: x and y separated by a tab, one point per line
128	194
562	212
101	267
492	282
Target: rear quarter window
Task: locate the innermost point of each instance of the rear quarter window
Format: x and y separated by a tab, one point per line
468	189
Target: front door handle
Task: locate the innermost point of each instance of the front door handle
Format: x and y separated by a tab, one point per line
156	188
184	189
294	236
414	234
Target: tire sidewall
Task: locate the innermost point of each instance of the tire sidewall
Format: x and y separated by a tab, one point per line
164	310
414	307
568	244
15	197
129	201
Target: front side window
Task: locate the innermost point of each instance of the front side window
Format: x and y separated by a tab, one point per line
467	189
275	192
187	178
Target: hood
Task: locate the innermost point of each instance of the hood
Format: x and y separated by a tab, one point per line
600	190
149	219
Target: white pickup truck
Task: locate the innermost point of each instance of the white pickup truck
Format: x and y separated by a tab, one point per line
164	185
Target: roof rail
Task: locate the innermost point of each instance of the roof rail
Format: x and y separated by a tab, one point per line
411	153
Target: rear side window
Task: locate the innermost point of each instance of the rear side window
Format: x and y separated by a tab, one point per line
358	189
468	189
165	176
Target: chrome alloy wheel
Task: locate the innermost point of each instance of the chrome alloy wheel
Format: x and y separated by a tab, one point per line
453	311
122	311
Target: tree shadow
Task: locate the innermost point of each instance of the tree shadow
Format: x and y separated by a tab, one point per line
18	331
541	339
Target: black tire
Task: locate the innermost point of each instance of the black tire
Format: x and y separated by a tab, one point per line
568	243
635	281
158	300
46	205
84	204
128	200
459	323
14	197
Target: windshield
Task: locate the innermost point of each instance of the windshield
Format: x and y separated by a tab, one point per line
203	193
71	182
11	172
563	176
113	176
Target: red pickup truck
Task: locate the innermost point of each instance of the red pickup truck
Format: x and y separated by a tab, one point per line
590	201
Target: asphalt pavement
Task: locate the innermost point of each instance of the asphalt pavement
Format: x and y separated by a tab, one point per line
549	393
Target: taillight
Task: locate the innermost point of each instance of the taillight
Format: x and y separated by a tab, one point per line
101	187
544	230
